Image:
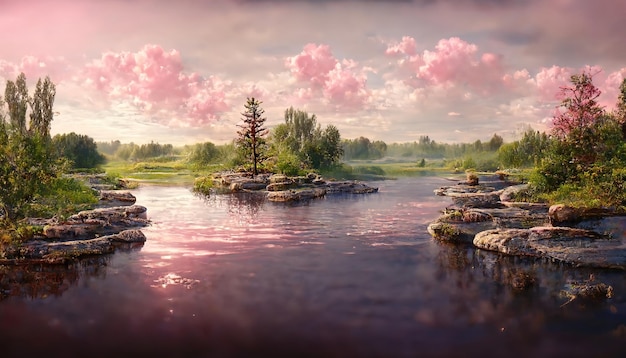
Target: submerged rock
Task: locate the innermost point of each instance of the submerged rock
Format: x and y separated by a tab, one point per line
587	291
349	187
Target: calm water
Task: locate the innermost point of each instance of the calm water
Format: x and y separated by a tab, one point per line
338	277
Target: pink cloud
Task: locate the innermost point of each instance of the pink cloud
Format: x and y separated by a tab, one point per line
458	68
341	83
313	64
35	67
450	62
453	63
345	87
154	81
550	80
405	47
610	88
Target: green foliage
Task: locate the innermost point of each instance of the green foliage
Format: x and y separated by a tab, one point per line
585	163
361	149
203	185
203	154
12	233
108	148
135	152
63	197
565	161
80	150
288	163
302	138
28	164
526	152
371	170
425	147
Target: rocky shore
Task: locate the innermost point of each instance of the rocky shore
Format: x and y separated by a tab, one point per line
115	223
487	216
281	188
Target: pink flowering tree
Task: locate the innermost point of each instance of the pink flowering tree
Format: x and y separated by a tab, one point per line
588	151
575	120
579	108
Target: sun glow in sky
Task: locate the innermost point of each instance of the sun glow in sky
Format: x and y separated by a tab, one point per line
179	71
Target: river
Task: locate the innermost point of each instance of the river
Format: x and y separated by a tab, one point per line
343	276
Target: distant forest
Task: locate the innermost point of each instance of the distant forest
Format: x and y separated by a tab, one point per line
488	155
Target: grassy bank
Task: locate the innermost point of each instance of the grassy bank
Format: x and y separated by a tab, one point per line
181	173
158	173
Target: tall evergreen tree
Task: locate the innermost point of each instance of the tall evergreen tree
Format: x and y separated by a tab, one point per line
250	140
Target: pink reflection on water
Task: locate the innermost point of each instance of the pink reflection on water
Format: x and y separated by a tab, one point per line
171	278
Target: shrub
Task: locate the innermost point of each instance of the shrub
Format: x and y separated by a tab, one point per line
203	185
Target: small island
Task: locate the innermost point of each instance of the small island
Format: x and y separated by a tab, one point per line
280	187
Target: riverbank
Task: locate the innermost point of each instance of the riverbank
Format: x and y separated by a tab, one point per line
114	223
487	217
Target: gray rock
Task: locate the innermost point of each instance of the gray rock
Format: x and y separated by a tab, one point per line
57	252
561	214
477	200
103	221
253	185
349	187
510	193
286	185
458	233
116	198
571	245
279	178
127	236
295	195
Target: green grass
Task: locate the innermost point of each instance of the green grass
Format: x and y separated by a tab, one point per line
167	173
180	173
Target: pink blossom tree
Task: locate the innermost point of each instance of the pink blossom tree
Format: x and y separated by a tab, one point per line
579	109
576	121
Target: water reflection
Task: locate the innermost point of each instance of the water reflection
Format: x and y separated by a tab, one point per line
41	281
244	205
524	298
339	276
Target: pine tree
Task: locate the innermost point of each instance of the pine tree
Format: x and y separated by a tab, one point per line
251	141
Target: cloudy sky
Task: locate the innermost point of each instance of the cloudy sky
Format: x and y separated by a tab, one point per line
180	71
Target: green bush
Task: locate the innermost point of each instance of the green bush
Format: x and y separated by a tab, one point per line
203	185
288	163
64	197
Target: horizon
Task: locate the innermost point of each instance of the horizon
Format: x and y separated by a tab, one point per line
390	71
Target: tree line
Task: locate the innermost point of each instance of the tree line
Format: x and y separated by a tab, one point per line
584	152
31	180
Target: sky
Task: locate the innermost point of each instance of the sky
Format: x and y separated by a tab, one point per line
180	71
